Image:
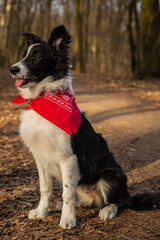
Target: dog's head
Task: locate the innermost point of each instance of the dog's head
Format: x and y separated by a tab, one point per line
42	59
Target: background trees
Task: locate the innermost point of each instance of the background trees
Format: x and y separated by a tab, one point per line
150	38
113	37
144	37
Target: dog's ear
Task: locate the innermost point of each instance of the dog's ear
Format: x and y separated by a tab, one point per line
59	38
31	38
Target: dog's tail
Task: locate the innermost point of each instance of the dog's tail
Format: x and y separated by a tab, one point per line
146	201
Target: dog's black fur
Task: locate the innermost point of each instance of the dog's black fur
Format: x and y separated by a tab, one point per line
55	54
46	59
95	160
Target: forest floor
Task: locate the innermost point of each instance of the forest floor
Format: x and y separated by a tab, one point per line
127	113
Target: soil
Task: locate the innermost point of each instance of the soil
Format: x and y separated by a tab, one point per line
127	113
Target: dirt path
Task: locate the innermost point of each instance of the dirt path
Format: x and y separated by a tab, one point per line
128	116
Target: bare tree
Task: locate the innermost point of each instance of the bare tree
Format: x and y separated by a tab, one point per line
144	39
87	23
7	9
149	37
78	52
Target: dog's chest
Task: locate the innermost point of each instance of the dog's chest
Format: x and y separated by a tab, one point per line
48	144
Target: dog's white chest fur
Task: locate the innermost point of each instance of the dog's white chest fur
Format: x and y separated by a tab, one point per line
48	143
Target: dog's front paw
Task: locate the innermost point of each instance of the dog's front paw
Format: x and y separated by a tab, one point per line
36	213
67	222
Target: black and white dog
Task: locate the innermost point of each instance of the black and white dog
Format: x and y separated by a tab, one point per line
82	161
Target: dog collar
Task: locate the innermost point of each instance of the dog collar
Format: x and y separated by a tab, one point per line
57	107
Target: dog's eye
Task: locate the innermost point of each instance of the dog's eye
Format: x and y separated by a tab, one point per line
37	57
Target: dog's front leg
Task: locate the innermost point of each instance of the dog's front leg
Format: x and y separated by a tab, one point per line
69	169
45	190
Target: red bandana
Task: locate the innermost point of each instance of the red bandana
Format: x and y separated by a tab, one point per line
57	107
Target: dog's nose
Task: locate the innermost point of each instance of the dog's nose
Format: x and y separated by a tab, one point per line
14	70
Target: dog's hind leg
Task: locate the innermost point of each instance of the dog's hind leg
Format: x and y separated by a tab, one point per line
114	192
46	192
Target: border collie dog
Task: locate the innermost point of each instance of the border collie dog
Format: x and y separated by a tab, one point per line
79	158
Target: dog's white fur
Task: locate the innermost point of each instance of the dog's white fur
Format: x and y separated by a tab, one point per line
51	148
108	212
47	85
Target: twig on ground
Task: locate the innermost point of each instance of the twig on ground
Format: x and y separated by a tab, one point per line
3	228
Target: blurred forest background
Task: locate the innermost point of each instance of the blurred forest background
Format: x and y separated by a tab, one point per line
115	37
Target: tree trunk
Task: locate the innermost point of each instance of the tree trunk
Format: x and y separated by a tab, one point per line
131	38
97	32
150	33
86	29
2	31
78	53
116	34
5	24
47	19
